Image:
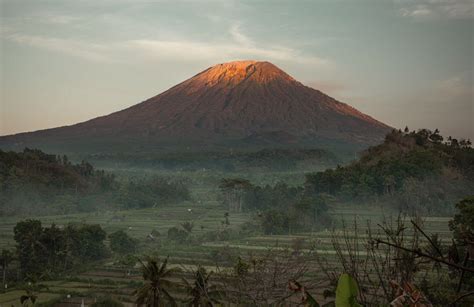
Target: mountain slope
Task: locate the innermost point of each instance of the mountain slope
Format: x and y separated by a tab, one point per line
245	102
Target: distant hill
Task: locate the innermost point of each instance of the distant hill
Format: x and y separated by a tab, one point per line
413	170
37	183
34	183
34	167
236	104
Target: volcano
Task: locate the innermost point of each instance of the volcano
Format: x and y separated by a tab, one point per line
242	103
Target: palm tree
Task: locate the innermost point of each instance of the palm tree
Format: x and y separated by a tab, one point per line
155	289
234	191
202	294
32	290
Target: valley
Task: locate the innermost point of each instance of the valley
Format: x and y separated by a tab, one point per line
110	278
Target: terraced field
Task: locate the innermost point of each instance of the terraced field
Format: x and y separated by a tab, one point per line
207	214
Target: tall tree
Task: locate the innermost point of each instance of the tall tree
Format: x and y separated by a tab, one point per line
234	191
155	290
31	251
202	293
5	258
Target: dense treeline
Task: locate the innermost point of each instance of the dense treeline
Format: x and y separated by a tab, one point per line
52	250
45	252
407	165
151	192
35	167
411	171
280	209
276	159
33	182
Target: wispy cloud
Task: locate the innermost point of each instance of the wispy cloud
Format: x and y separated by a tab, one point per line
59	19
81	49
190	50
239	37
437	9
239	47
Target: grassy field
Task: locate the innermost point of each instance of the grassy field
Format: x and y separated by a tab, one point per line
207	214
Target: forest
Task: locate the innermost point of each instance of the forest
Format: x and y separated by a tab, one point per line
414	170
33	182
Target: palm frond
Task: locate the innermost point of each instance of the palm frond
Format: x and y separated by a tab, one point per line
163	266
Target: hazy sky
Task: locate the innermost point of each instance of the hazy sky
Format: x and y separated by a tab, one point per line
404	62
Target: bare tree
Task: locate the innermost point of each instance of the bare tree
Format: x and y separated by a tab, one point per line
264	280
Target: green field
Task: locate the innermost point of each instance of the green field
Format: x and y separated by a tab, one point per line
207	214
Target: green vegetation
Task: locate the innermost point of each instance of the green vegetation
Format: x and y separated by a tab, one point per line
281	209
35	183
154	291
410	170
122	243
461	252
51	250
347	291
268	160
246	265
201	292
462	224
260	235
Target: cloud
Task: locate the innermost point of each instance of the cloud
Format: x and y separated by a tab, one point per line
437	9
239	37
190	50
81	49
239	47
59	19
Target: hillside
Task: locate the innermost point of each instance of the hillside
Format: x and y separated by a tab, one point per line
411	170
35	183
245	103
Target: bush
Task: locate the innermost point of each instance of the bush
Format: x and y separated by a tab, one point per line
177	234
122	243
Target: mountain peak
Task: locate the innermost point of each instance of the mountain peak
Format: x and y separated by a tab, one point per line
236	72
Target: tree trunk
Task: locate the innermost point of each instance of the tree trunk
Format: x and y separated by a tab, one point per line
155	298
4	273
